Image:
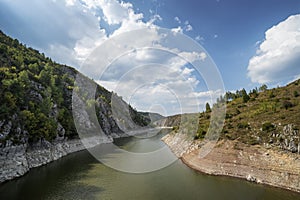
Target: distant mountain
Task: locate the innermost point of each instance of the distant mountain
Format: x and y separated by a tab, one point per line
153	117
36	98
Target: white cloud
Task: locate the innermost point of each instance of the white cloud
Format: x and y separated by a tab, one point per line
257	43
177	20
75	31
192	56
85	45
63	31
199	38
146	77
114	11
70	2
278	55
188	28
177	30
155	18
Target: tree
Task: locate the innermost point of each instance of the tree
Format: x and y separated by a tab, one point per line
245	96
263	88
230	96
254	92
296	94
207	107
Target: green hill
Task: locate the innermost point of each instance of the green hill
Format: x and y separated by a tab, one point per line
36	97
263	117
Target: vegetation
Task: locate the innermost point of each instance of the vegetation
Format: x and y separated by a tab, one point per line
252	118
36	95
268	126
207	107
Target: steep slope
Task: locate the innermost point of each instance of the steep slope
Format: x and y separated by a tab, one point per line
36	121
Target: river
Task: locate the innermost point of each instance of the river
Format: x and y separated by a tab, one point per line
81	176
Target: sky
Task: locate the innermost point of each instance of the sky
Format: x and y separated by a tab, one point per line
244	43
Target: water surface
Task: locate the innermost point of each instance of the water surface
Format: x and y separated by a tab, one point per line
80	176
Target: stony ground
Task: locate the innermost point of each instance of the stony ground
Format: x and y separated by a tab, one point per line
231	158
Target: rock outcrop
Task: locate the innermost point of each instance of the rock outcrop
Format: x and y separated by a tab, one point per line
15	161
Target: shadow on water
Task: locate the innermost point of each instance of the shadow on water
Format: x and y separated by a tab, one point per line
54	180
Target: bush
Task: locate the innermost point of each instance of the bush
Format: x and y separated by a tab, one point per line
253	141
268	127
200	134
175	129
271	95
243	125
296	94
287	104
228	116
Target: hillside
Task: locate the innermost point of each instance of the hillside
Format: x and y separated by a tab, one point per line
36	98
263	117
259	141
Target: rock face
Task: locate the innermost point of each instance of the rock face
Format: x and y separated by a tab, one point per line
15	161
290	139
179	143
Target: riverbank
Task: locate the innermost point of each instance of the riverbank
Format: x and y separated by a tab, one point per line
15	161
230	158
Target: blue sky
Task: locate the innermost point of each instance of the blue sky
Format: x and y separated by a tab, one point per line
251	42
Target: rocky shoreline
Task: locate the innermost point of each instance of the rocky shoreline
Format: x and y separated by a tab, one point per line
15	161
231	158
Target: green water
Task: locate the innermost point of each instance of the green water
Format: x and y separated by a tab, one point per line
80	176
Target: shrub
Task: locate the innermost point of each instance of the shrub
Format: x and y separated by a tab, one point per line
243	125
200	134
253	141
228	116
296	94
271	95
287	104
175	129
268	127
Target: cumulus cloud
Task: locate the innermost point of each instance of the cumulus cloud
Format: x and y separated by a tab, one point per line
76	28
57	28
168	78
277	57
